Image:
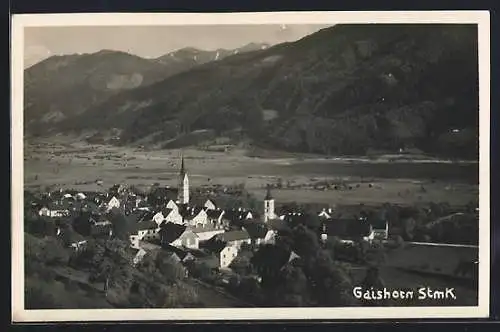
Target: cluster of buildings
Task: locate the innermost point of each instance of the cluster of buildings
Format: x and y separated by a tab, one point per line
168	218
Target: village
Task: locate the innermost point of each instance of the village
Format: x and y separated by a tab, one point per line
198	229
167	216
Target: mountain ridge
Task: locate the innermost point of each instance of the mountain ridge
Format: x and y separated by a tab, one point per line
342	90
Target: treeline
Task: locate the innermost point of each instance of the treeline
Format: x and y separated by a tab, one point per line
433	222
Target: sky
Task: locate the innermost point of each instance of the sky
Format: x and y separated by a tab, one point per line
153	41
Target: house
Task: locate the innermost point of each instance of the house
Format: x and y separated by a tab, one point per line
294	218
73	239
226	256
380	228
100	226
144	231
68	197
234	238
80	196
224	253
188	239
113	203
207	232
131	202
172	205
53	210
100	198
259	233
158	218
139	256
193	216
347	230
326	213
172	215
215	217
209	205
80	207
178	235
181	254
236	217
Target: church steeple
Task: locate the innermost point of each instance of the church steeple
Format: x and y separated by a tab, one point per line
268	193
183	190
183	171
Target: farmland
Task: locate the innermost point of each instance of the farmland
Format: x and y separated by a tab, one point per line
78	165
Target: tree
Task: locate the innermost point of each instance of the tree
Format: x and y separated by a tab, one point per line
172	270
268	261
121	225
329	282
305	241
82	225
53	253
293	286
241	265
373	281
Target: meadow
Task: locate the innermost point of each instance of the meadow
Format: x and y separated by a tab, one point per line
79	166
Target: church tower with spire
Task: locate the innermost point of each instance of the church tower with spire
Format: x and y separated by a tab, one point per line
183	189
269	206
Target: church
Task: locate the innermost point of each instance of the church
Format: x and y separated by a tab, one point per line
183	202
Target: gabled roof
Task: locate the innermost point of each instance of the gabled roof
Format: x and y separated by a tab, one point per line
166	211
57	206
143	225
347	228
171	232
110	198
214	245
204	229
377	223
233	236
277	224
295	218
214	214
197	200
180	252
189	212
236	215
85	206
146	216
293	256
256	230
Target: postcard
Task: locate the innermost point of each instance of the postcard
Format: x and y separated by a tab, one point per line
250	166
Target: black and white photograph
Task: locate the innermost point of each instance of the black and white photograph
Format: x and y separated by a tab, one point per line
314	165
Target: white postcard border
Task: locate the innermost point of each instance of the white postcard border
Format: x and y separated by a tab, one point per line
19	22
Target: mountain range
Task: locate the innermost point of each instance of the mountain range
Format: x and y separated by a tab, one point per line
347	89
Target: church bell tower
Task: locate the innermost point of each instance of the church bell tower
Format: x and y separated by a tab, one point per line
183	189
269	206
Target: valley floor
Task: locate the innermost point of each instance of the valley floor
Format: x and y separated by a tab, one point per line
79	165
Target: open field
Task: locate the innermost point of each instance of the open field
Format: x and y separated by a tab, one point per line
78	165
